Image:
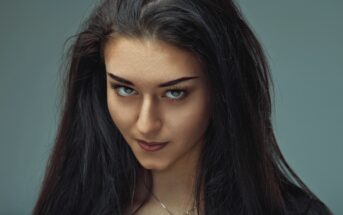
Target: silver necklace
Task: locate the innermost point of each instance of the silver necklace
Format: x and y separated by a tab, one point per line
188	212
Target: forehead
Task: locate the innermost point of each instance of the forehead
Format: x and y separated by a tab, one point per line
149	61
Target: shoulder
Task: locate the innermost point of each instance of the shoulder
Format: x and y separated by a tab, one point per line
310	206
316	207
299	202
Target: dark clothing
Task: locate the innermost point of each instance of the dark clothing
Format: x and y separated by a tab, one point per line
300	203
307	206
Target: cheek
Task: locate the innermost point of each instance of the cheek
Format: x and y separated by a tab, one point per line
120	116
191	122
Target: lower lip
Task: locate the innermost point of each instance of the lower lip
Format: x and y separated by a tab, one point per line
151	148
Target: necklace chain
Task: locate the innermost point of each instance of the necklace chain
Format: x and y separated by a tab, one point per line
188	212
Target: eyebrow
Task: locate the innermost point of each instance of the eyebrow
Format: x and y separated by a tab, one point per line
165	84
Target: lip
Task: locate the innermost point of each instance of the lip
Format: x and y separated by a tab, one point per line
151	146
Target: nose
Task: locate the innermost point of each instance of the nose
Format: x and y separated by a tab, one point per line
148	122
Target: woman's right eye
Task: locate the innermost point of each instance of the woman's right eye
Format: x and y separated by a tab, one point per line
122	90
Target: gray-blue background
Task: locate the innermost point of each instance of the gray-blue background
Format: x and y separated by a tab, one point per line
302	39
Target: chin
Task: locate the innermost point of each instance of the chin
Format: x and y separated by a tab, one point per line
156	166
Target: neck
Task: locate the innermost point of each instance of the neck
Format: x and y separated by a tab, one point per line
174	186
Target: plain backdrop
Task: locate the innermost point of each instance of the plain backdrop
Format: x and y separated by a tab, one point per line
303	42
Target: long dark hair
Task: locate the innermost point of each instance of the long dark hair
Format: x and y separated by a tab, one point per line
93	171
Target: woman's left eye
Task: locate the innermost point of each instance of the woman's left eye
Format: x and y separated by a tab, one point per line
176	94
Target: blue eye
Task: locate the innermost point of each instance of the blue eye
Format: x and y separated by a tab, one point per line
122	90
176	94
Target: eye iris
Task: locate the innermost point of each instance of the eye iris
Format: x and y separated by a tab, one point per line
176	93
126	90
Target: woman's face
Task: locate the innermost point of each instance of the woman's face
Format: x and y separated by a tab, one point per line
143	108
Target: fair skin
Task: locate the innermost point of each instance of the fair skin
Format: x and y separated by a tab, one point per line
143	110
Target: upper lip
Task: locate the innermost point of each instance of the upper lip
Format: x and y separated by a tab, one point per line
151	142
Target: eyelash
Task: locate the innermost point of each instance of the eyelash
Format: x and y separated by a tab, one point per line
179	89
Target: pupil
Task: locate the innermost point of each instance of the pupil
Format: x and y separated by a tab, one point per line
175	93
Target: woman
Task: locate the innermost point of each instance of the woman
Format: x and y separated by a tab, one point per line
167	110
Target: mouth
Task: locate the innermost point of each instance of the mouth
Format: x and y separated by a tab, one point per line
151	146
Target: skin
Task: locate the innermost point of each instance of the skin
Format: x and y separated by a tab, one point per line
145	111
